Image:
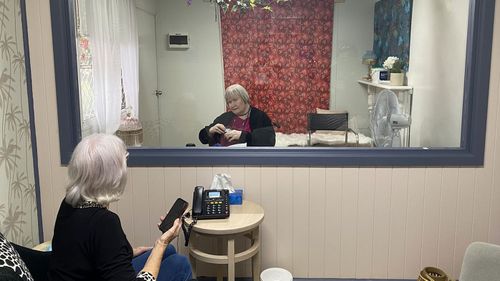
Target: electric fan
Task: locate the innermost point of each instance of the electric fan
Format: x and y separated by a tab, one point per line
387	120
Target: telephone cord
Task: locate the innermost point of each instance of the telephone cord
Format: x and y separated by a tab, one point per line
187	229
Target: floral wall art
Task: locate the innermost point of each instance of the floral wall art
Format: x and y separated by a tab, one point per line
282	58
18	211
392	30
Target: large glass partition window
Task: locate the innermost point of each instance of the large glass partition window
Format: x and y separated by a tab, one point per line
304	58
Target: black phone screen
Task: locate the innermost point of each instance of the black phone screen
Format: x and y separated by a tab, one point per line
175	212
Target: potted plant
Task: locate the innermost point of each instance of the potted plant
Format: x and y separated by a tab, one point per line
395	66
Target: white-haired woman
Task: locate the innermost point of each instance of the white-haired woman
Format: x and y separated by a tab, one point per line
241	124
89	242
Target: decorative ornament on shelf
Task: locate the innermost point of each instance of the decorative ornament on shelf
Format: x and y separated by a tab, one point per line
130	130
369	59
243	5
395	67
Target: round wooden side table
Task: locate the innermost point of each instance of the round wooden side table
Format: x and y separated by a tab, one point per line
244	221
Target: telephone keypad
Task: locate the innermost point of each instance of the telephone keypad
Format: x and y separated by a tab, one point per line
216	207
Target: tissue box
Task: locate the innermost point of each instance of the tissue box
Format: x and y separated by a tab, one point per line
236	198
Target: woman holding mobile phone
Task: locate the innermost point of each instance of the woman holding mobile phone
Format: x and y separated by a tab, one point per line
89	242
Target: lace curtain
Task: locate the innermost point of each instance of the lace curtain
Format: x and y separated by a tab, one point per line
109	63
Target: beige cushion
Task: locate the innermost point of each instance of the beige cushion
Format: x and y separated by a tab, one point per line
44	247
328	111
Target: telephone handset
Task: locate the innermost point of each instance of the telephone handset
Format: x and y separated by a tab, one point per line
210	204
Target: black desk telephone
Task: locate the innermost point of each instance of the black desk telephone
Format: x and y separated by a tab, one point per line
210	204
207	204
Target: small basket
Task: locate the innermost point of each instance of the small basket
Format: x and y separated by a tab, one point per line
131	137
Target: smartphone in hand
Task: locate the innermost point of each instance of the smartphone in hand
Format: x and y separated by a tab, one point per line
175	212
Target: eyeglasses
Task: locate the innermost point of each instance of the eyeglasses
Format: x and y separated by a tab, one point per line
126	155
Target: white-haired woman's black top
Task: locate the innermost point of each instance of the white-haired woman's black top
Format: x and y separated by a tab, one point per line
89	244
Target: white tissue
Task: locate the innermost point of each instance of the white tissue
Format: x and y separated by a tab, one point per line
222	181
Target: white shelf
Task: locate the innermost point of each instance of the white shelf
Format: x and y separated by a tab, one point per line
386	86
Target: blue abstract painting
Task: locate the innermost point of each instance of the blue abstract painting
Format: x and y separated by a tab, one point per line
392	28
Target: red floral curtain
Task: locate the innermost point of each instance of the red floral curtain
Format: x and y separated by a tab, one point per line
282	58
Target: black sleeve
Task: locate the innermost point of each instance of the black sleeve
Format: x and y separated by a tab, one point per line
203	135
112	253
264	136
205	138
262	131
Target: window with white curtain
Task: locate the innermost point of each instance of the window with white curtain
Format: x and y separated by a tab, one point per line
107	43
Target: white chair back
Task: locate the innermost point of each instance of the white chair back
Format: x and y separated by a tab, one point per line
481	262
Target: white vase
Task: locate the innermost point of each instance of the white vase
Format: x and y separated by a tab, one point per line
397	79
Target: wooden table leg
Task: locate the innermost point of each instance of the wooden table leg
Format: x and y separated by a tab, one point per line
191	257
220	249
230	259
256	257
193	265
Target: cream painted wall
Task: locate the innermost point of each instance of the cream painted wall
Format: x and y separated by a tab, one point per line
148	72
320	222
192	81
149	6
352	37
437	76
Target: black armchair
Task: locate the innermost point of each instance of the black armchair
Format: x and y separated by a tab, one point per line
329	121
36	261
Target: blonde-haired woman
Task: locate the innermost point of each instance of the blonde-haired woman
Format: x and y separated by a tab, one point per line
241	124
89	242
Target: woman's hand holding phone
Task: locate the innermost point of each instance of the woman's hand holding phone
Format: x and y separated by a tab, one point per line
155	258
175	212
171	233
